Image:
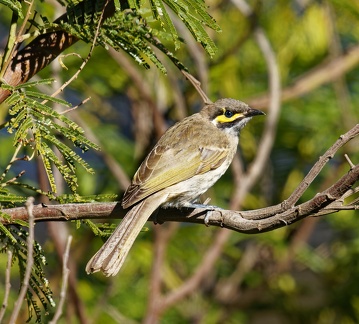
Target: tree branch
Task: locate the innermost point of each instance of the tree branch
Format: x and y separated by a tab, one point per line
326	202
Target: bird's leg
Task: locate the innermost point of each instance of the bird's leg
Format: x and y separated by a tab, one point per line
210	209
207	217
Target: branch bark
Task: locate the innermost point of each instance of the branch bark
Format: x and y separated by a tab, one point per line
326	202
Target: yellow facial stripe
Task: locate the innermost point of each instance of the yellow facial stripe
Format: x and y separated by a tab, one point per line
223	119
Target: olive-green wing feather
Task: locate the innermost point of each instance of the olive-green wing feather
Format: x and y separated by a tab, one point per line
160	171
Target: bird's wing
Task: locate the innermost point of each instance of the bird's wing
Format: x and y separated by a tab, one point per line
169	164
164	167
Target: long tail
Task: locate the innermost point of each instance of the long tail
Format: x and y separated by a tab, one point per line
112	254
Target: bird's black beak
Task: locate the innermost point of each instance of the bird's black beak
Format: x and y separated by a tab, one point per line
253	112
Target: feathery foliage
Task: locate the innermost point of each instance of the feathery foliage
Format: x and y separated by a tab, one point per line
130	31
14	238
193	14
37	126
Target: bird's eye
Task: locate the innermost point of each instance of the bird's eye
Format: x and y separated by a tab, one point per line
228	113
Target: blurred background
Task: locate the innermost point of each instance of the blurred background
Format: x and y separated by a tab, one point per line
179	273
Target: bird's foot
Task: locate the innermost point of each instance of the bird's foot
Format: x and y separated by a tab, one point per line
209	212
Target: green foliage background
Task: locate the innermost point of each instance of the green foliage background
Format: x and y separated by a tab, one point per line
313	283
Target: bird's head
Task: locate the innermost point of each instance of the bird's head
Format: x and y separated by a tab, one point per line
229	115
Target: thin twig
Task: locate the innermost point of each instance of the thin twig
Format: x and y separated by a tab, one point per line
179	98
308	179
65	276
30	261
244	221
351	192
13	179
349	161
343	139
7	284
10	46
197	85
75	107
27	17
13	159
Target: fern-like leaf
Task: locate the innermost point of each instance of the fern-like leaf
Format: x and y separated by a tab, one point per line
194	16
127	30
38	283
38	126
160	14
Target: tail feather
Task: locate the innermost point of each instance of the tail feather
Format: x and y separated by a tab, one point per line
111	256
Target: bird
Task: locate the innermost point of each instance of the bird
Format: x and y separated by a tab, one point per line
186	161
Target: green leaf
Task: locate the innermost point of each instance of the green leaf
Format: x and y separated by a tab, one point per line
67	170
14	5
13	98
185	11
31	84
38	283
130	32
11	198
134	4
5	232
199	7
32	117
23	127
69	155
39	95
44	152
74	136
160	13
